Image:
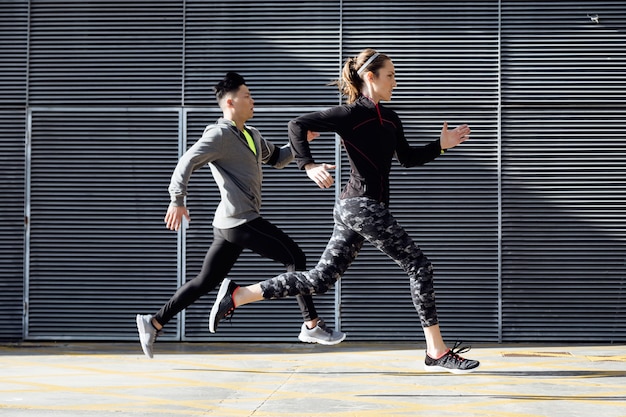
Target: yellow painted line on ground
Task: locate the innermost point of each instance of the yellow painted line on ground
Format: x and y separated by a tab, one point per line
529	354
615	358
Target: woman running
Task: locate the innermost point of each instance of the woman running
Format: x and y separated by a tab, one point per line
372	135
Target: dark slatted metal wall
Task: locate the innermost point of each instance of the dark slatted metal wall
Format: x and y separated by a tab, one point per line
104	77
524	223
564	170
13	64
125	53
98	250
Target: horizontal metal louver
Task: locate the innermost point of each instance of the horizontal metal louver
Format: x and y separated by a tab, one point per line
563	225
563	52
275	45
99	252
13	52
12	226
563	167
111	52
447	70
13	64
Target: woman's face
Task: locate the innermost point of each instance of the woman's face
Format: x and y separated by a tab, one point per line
383	84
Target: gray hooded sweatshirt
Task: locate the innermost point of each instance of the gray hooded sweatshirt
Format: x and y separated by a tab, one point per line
236	170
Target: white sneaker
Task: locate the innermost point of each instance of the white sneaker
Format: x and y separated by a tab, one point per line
147	333
321	334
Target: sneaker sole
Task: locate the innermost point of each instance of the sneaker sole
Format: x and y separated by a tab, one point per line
306	339
141	328
220	294
453	371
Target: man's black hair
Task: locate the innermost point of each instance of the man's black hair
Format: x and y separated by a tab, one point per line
231	82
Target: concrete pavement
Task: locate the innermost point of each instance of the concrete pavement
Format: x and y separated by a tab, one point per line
299	380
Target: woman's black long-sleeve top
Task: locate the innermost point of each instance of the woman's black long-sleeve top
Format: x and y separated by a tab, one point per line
371	135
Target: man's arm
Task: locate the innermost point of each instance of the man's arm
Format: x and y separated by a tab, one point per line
280	157
205	150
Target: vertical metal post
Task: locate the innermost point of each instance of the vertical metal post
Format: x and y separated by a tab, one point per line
27	189
181	270
499	168
338	179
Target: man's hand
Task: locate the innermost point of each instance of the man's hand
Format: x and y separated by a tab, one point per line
319	173
310	135
174	217
451	138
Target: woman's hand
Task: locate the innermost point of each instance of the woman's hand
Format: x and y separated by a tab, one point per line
451	138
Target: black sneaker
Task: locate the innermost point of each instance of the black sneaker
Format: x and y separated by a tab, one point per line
224	305
452	362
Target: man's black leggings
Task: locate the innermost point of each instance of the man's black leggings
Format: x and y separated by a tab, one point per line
258	235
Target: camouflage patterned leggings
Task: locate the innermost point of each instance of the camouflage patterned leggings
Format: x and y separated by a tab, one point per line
356	220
